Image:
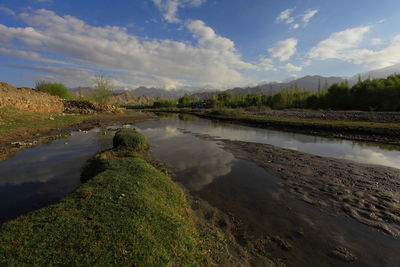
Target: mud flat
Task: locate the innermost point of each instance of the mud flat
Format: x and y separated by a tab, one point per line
369	194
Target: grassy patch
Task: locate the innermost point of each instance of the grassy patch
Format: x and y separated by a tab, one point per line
127	213
130	138
12	118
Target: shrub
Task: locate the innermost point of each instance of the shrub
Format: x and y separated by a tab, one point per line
56	89
131	139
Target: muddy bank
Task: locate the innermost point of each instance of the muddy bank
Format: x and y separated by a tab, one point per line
370	194
382	127
332	115
385	135
12	141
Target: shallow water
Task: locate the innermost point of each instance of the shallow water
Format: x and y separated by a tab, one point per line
40	176
43	175
257	198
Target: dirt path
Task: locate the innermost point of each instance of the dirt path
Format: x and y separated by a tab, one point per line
367	193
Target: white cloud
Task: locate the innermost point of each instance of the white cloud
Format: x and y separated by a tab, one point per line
296	21
308	15
170	8
29	55
376	41
283	49
265	64
334	46
375	59
7	11
295	26
212	60
285	16
345	45
292	68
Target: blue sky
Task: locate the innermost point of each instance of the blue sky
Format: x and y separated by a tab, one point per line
194	43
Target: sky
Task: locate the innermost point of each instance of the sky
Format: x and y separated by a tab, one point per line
216	44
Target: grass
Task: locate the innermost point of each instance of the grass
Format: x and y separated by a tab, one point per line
127	213
12	118
130	138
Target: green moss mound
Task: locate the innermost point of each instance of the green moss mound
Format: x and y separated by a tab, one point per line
130	139
126	214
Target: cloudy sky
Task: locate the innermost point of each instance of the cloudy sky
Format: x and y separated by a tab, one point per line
199	43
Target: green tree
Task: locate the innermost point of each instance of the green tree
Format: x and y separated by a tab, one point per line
102	89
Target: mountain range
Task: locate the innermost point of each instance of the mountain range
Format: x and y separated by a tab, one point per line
306	83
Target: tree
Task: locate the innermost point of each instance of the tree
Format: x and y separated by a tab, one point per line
102	89
185	101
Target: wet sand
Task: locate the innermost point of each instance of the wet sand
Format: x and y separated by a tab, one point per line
370	194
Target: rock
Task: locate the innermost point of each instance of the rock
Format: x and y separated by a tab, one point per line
344	254
17	144
282	243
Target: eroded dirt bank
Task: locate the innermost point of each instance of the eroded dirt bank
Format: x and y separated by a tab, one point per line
367	193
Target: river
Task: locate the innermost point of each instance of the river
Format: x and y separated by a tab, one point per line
42	175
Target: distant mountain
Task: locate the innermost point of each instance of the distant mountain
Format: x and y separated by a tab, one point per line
305	83
81	91
129	98
376	74
159	93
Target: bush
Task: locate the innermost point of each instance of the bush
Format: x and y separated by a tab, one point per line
164	103
131	139
56	89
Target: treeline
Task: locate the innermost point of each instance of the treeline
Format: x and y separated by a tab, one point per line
368	95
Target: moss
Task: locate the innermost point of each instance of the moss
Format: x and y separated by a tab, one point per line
127	213
130	139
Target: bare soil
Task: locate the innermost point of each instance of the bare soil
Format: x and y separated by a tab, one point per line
29	100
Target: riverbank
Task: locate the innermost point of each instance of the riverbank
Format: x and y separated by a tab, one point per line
358	126
21	129
126	213
368	193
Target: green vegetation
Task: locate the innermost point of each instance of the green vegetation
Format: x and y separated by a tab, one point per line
12	118
368	95
102	89
164	103
56	89
130	138
127	213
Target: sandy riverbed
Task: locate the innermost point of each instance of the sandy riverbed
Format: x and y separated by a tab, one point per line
367	193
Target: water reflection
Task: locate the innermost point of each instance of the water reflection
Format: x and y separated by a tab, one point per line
204	161
42	175
256	198
364	152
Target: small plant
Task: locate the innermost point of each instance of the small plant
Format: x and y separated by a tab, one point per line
56	89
